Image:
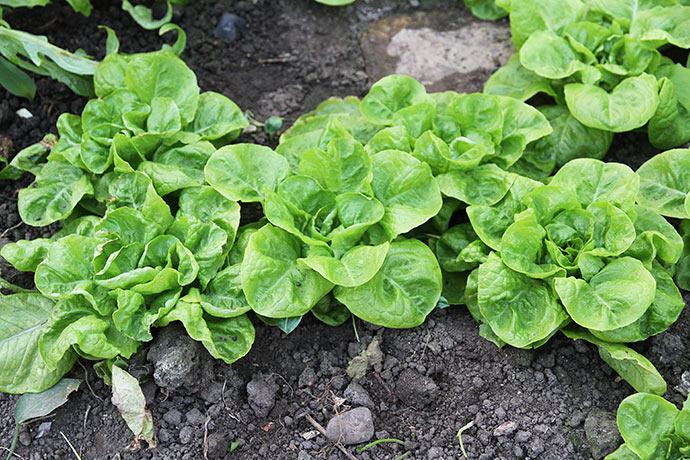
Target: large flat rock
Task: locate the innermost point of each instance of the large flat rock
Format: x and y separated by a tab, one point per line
442	52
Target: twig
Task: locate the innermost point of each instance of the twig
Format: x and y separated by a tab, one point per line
74	451
86	378
86	416
208	419
322	430
14	227
12	453
292	390
276	60
227	409
378	377
222	394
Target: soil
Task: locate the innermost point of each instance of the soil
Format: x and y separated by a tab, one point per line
432	380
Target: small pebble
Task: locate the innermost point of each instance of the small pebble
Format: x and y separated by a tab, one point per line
230	27
352	427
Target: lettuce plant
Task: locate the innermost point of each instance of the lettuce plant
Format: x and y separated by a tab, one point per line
149	116
332	226
473	143
144	240
576	255
653	429
21	50
601	61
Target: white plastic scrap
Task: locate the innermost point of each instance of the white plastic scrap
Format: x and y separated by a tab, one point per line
24	113
43	429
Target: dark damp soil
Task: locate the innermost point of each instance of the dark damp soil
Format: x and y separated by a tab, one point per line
430	382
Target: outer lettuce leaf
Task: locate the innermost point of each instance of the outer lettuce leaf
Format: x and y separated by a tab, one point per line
274	284
616	296
645	422
514	80
570	138
68	269
665	309
665	183
663	25
162	74
343	167
74	322
628	106
26	255
485	9
528	16
593	180
550	56
217	117
391	94
403	292
240	172
22	369
520	310
670	125
58	189
228	339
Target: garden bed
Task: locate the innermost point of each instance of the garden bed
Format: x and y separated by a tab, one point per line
429	381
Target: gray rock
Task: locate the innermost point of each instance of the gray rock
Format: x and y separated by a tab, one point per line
522	358
173	417
195	417
229	27
217	445
684	386
505	429
669	348
522	436
175	358
602	433
212	394
24	437
415	389
547	360
164	435
536	447
358	396
352	427
262	395
186	434
575	418
304	455
423	45
307	378
435	452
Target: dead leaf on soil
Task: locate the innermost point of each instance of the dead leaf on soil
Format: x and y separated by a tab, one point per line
130	401
372	356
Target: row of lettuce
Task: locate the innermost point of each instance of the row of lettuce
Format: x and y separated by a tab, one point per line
375	208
